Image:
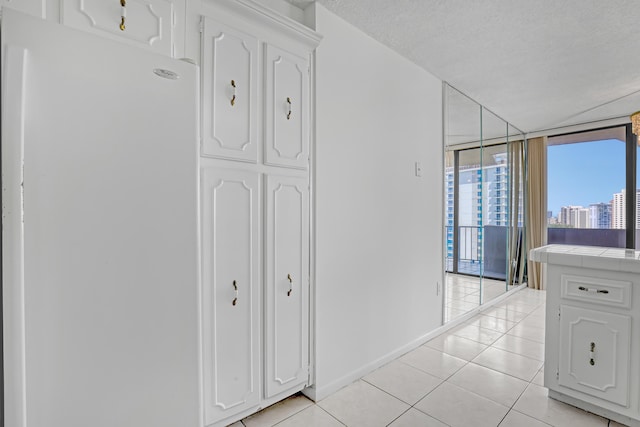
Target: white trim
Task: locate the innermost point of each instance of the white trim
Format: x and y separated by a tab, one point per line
317	394
598	410
13	107
617	121
280	23
312	217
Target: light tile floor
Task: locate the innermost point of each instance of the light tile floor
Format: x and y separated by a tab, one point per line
485	372
462	293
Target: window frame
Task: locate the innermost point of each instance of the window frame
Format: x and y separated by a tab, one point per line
631	147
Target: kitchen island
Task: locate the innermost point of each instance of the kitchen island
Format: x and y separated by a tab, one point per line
592	341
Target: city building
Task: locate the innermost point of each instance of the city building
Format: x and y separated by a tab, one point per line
619	212
600	215
483	201
580	218
568	215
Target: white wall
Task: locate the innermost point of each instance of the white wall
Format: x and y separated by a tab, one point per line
378	226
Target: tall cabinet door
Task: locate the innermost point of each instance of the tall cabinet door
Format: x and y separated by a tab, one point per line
287	110
229	87
231	309
153	24
287	291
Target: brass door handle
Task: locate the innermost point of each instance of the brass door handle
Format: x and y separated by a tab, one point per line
290	285
289	113
123	14
235	287
233	98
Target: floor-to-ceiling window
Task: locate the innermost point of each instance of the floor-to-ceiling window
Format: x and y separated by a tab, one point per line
591	179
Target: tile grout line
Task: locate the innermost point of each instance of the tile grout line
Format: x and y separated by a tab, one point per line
471	361
330	414
476	364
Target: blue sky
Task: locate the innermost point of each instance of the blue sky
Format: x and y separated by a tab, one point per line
584	173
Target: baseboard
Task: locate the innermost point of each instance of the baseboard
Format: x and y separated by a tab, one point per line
318	393
606	413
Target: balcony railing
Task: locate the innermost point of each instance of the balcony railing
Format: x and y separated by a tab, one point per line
481	251
607	237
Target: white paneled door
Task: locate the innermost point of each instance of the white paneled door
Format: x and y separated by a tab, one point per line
229	83
287	283
231	287
287	111
595	352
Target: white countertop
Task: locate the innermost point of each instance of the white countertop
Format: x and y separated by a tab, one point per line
627	260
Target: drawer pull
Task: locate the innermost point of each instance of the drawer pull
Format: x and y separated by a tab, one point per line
235	287
598	291
591	354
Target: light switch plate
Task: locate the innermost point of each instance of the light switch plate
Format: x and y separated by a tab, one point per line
418	169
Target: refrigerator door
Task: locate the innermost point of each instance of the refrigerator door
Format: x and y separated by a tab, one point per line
100	238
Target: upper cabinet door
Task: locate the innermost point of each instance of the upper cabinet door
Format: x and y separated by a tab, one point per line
32	7
229	87
230	292
287	109
145	23
287	285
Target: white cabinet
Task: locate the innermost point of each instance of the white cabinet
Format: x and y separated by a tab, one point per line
157	25
286	93
231	291
255	128
31	7
230	92
594	353
287	292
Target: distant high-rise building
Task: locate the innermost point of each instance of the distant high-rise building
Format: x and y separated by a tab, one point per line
568	215
483	197
580	217
619	211
600	215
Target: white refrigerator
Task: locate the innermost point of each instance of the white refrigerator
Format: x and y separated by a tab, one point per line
99	231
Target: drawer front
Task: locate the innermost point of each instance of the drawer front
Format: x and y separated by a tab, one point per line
599	291
595	353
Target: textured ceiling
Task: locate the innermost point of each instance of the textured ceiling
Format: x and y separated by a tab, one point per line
539	64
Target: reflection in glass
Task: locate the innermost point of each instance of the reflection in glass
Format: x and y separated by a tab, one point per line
481	236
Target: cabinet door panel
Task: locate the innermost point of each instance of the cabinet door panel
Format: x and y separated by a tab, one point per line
32	7
594	353
287	292
230	78
287	109
231	328
148	23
